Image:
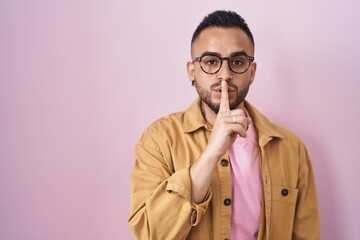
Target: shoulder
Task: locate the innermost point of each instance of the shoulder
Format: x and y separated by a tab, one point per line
170	121
288	135
180	122
267	129
163	128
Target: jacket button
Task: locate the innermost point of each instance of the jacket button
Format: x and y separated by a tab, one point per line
227	202
284	192
224	162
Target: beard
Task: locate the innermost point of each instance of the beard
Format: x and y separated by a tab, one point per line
205	96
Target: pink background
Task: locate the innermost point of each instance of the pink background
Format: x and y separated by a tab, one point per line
81	79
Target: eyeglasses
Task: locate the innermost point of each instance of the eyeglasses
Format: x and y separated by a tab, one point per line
211	63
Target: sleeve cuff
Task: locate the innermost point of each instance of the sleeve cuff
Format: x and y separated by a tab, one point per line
180	182
200	209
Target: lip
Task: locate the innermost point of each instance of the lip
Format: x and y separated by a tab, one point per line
218	91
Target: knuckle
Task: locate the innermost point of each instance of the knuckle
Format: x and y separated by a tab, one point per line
223	120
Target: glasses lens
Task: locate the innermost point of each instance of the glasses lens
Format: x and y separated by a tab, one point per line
239	64
210	64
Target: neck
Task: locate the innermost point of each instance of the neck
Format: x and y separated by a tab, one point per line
210	115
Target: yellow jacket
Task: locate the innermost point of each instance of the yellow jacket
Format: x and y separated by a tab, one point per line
161	206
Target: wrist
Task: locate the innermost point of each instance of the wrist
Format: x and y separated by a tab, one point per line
210	156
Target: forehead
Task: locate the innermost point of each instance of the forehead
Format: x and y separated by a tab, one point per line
223	41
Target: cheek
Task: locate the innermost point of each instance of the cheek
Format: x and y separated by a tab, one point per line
200	73
247	78
242	81
205	79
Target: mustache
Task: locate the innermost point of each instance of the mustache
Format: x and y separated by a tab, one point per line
230	85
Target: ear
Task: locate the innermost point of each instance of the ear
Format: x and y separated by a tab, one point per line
191	71
252	72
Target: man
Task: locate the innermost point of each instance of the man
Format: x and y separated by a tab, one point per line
221	169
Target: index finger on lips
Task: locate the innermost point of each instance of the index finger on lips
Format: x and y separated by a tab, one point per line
224	101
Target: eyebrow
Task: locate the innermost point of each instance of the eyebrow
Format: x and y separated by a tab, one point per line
234	54
242	53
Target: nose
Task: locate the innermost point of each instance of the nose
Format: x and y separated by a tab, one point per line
225	72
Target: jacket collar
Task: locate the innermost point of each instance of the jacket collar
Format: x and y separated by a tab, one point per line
265	128
194	120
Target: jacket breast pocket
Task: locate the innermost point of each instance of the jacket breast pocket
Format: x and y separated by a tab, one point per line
283	211
284	194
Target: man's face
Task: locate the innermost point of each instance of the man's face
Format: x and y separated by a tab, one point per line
224	42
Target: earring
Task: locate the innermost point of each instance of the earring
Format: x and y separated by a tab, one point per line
192	82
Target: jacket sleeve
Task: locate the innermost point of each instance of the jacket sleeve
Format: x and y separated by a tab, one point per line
161	206
306	223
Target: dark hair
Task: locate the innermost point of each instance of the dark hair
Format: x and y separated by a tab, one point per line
223	19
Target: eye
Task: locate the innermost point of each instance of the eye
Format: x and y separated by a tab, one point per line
212	62
237	62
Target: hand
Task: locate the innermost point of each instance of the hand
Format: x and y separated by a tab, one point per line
227	126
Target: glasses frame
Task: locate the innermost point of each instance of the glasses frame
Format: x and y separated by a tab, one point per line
222	59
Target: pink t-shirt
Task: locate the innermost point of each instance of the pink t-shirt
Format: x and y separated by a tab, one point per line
246	186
